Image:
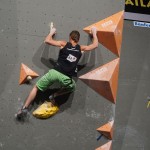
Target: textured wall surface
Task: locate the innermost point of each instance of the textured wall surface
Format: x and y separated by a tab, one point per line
23	27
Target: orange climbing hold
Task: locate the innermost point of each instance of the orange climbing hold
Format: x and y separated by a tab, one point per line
104	80
110	32
107	146
107	130
26	74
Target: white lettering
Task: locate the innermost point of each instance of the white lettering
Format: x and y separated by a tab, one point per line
71	58
98	72
106	24
141	24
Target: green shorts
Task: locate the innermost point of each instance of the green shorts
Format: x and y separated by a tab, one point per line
54	76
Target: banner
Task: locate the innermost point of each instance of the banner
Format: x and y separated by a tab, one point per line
137	6
141	24
137	10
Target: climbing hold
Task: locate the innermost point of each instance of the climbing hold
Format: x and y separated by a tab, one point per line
45	110
107	146
26	74
104	80
29	78
148	103
107	130
110	32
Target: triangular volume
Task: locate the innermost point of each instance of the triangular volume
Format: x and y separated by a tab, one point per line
107	146
110	32
118	35
108	24
104	80
107	130
25	72
114	82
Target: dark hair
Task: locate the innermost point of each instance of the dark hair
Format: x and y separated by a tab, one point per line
75	36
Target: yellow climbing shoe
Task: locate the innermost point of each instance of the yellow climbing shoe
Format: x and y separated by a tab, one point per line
46	110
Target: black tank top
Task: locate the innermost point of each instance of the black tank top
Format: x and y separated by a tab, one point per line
68	59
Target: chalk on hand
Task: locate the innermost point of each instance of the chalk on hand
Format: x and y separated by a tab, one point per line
51	25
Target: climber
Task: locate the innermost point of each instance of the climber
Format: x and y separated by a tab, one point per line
65	68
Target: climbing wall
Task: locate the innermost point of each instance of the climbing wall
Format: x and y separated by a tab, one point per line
86	114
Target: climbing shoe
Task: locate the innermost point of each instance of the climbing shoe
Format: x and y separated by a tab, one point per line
22	114
51	97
